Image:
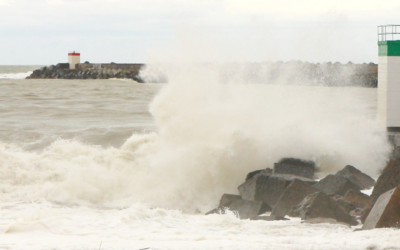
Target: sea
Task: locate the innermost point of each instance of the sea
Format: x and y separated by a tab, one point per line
116	164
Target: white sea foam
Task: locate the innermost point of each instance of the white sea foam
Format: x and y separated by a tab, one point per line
15	75
43	225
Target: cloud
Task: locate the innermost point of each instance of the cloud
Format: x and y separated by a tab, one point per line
240	30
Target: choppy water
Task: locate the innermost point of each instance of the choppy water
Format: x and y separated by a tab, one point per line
35	113
16	72
132	166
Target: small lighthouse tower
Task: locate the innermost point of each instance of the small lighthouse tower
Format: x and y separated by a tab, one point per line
389	76
73	59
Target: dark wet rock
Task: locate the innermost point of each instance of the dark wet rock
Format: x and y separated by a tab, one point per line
295	167
226	199
389	179
52	68
268	188
335	184
386	211
320	205
291	196
359	199
213	211
357	212
261	171
62	66
357	177
347	205
244	208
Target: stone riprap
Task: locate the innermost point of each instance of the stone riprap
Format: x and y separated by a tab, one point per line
333	184
357	177
295	166
292	195
268	187
320	205
62	71
333	199
327	74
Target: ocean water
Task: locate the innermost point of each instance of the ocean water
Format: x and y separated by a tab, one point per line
16	72
114	164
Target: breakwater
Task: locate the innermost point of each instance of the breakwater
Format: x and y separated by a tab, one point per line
88	71
292	72
302	73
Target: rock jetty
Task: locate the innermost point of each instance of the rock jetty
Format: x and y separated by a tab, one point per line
335	198
291	72
89	71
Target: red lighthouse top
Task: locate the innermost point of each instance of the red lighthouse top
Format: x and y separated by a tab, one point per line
74	54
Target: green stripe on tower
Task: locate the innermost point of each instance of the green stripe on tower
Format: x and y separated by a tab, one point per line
389	48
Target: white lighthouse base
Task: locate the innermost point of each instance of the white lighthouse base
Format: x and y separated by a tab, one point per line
389	91
73	60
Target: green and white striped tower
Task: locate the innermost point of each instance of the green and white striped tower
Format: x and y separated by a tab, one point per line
389	76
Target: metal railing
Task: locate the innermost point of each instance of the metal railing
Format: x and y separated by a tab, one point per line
388	32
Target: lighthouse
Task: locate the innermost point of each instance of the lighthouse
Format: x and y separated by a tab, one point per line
73	59
389	76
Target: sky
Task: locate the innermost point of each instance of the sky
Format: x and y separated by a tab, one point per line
42	32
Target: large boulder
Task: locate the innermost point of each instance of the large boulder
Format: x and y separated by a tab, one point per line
291	196
347	205
295	167
336	184
268	188
389	179
256	172
227	199
357	177
320	205
360	200
386	211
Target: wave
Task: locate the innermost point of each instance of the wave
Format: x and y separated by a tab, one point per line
210	135
15	75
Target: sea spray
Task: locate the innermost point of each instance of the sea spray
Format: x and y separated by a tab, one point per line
210	134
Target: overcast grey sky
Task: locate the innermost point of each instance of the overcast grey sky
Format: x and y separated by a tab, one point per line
43	31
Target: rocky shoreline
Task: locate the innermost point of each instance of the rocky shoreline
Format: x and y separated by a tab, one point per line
291	190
